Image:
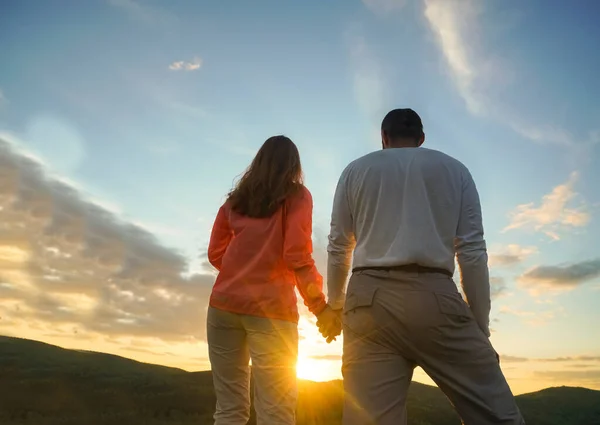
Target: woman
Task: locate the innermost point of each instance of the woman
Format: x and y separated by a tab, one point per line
261	245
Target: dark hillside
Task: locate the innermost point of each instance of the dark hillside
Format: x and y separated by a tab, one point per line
45	385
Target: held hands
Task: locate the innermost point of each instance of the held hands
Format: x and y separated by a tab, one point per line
330	323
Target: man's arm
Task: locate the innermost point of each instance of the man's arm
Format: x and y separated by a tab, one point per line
472	256
341	245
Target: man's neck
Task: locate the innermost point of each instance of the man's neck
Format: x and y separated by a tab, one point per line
401	146
403	143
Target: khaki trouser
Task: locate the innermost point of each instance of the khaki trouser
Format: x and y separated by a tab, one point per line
395	321
233	340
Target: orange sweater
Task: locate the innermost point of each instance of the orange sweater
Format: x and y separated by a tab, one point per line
262	260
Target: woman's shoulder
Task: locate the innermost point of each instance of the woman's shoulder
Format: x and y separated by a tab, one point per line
300	198
226	206
301	193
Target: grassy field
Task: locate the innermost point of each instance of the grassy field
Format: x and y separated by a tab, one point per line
41	384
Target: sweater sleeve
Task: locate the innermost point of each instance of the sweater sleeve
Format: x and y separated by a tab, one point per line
220	237
341	245
298	249
471	253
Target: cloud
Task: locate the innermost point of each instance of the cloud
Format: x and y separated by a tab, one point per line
510	255
367	79
56	140
497	287
513	359
451	22
573	359
68	263
533	318
553	213
585	377
329	357
194	65
559	278
568	359
479	76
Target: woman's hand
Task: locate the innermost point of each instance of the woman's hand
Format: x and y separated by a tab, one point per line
330	323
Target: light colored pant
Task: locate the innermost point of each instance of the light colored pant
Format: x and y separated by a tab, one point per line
395	321
272	345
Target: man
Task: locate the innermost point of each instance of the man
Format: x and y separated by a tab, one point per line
406	212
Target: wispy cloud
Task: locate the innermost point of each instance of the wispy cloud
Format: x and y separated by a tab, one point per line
368	80
513	359
559	278
554	212
589	378
533	318
478	75
451	22
3	99
572	359
498	287
567	359
332	357
511	255
194	65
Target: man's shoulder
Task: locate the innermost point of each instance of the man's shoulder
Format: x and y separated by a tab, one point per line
436	158
425	153
365	160
424	156
440	156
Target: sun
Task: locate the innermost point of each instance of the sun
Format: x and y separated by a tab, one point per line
317	360
317	369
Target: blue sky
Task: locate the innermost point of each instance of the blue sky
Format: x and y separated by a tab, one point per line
150	110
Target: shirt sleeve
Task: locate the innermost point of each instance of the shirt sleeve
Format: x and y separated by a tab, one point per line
298	249
220	237
341	245
472	255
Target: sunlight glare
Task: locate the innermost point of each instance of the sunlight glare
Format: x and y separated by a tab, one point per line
317	370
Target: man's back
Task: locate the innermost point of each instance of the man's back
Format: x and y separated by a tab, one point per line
406	206
403	206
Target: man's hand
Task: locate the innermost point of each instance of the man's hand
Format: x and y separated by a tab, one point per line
330	323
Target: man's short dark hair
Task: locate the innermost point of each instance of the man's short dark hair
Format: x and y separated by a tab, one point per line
402	124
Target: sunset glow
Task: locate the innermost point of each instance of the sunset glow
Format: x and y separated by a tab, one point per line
123	125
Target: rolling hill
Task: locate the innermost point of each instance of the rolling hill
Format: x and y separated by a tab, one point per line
41	384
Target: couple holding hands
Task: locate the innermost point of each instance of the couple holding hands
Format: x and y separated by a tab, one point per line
400	217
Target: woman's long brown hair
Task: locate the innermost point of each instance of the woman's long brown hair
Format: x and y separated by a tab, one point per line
274	175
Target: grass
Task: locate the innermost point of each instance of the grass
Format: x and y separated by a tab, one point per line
45	385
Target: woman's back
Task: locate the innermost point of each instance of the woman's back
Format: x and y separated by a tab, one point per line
260	260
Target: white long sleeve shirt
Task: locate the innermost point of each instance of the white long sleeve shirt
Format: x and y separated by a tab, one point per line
404	206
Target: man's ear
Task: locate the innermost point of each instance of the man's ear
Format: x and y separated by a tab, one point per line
384	140
421	140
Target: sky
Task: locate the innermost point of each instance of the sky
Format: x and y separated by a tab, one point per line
124	123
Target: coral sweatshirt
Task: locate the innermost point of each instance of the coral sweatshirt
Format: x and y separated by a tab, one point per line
262	260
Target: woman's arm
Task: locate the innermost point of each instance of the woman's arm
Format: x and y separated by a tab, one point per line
219	239
297	251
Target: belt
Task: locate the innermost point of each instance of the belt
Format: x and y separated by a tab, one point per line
411	268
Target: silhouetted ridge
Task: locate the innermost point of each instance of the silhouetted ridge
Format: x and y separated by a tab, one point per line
42	384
